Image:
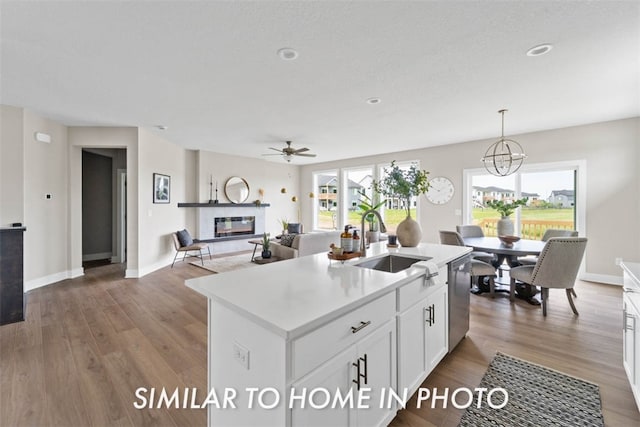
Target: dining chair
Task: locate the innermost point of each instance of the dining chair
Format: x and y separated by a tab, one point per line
549	233
475	231
557	267
479	269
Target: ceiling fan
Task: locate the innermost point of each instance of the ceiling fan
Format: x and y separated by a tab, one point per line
288	152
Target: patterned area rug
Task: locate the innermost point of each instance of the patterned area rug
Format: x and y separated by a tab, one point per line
538	396
229	263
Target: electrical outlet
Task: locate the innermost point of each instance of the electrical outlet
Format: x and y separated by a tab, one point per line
618	261
241	355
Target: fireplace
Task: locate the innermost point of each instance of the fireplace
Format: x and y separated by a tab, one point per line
234	226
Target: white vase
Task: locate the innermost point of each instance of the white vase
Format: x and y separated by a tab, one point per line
409	232
373	236
505	226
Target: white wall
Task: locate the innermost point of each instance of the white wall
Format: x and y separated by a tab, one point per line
45	173
270	176
11	165
611	150
158	221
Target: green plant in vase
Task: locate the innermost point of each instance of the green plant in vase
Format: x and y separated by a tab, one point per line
404	184
266	246
285	224
367	203
504	227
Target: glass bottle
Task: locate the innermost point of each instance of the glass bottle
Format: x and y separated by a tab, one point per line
346	240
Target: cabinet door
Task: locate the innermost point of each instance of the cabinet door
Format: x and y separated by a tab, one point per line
411	341
379	351
336	374
436	332
631	346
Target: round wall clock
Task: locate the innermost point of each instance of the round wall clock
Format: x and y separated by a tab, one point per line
440	190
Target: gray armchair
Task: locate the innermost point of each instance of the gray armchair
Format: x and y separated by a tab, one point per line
557	267
479	269
189	246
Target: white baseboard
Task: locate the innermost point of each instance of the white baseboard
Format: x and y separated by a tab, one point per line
601	278
155	266
96	256
52	278
131	273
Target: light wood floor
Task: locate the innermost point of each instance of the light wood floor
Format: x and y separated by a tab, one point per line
88	343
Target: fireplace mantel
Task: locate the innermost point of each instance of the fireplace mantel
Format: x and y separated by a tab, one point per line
223	205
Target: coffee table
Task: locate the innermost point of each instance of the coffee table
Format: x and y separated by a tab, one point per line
260	260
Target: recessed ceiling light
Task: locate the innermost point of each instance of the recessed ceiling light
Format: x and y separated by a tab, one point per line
287	54
161	127
374	101
541	49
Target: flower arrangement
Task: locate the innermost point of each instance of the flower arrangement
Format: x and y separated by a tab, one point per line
403	184
506	209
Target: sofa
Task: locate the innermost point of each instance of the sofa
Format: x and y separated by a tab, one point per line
305	244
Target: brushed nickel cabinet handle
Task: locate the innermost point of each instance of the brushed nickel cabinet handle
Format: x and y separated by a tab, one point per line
355	329
428	310
626	326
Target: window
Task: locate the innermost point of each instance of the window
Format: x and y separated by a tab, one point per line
552	190
326	204
356	181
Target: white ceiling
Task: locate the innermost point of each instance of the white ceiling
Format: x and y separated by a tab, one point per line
209	70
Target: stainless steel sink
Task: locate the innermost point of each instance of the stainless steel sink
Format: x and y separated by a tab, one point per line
390	263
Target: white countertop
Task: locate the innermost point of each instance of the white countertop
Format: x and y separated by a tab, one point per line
295	296
633	269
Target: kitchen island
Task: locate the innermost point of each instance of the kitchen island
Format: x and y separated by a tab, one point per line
310	325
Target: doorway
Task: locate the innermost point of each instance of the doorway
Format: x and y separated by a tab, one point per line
104	206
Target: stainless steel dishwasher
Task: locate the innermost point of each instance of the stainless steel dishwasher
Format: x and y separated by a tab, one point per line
459	280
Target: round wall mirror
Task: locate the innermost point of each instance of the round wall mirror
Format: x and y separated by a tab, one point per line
236	189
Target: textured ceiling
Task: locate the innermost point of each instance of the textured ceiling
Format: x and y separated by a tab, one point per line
210	72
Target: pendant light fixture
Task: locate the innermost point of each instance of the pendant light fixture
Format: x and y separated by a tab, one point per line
505	156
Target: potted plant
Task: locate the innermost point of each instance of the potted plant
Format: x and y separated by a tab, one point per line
367	203
266	244
285	225
505	225
404	184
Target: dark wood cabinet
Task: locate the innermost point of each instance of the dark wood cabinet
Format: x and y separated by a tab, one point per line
12	300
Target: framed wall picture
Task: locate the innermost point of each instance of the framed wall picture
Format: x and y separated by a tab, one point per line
161	188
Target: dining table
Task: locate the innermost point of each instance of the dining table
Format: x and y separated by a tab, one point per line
509	253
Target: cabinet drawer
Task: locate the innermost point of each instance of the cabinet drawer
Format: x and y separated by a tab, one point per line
414	291
318	346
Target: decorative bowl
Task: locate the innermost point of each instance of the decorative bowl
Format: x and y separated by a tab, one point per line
508	240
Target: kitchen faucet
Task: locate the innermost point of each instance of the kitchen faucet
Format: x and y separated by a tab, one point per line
383	228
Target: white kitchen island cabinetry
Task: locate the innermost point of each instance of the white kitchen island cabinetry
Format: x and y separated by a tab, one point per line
306	323
422	330
631	326
369	364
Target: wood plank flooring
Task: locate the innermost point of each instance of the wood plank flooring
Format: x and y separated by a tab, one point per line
88	343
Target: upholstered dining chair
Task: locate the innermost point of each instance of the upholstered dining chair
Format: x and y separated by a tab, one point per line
549	233
475	231
188	245
557	267
479	269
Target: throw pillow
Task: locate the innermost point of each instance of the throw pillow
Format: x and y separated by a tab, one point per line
185	238
287	239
